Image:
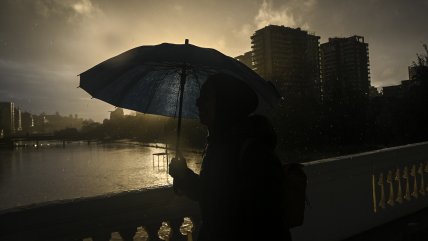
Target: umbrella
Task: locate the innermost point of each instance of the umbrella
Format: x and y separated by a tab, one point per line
165	79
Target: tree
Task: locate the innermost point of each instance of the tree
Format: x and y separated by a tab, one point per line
421	66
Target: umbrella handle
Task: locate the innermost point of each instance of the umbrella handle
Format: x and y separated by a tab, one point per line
180	110
174	181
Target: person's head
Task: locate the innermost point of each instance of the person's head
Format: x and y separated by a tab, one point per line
225	100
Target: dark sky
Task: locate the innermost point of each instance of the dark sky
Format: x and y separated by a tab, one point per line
45	44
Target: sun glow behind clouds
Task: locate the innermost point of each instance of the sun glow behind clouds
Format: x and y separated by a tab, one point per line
68	37
267	15
83	7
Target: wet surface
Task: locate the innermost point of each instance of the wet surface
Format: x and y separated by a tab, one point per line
49	173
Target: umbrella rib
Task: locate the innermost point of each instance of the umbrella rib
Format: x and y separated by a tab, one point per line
177	104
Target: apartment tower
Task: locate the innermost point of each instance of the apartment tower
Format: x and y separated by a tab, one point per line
345	70
289	57
7	118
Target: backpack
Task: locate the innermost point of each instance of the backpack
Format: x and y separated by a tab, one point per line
294	182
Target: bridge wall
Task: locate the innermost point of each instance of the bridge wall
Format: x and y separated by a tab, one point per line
351	194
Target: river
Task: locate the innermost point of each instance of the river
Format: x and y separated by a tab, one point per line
51	172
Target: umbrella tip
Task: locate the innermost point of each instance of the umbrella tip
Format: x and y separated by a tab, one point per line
186	41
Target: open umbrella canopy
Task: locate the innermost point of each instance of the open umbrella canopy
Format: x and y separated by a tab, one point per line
147	79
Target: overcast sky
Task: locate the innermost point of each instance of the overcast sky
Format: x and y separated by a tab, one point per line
45	44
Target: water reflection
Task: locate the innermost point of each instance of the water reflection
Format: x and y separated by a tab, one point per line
34	175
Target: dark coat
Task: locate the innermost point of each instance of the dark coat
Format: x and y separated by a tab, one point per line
239	186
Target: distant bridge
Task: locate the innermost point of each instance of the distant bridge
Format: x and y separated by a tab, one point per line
12	140
31	137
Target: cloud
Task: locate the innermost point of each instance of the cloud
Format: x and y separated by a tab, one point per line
246	29
387	76
290	13
37	89
267	15
73	9
51	41
84	7
310	3
221	43
177	7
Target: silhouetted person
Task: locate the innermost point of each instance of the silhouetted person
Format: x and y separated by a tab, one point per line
239	186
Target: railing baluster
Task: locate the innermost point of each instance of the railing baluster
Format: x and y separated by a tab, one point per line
141	234
426	171
413	173
382	191
115	236
391	200
421	172
400	190
407	177
186	229
165	231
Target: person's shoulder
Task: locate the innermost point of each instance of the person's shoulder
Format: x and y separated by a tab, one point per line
262	130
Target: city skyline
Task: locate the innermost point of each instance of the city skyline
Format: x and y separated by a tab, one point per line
45	44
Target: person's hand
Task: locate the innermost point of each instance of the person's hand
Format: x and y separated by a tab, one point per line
178	167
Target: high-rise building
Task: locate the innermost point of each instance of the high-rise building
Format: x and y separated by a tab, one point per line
246	59
27	122
18	120
345	70
345	87
7	118
289	57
